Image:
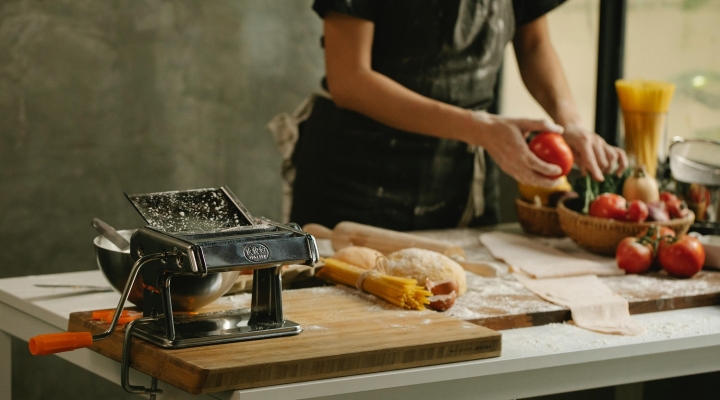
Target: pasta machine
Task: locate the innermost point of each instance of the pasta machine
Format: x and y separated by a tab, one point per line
195	233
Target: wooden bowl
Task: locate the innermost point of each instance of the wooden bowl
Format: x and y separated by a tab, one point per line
602	235
538	220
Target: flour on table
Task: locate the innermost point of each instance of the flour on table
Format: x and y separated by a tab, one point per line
565	337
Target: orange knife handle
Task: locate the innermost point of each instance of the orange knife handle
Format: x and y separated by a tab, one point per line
52	343
125	317
101	315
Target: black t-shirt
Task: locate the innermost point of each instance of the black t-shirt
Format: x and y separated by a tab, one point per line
352	168
448	50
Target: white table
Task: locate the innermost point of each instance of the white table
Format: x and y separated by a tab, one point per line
535	361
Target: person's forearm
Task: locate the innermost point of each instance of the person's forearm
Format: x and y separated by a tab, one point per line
354	85
543	74
544	77
382	99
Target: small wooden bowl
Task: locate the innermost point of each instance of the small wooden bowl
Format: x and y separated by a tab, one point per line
602	235
538	220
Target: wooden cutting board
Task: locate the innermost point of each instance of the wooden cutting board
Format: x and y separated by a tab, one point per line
501	302
504	303
345	333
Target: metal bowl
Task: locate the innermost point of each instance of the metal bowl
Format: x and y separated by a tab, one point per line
188	293
695	166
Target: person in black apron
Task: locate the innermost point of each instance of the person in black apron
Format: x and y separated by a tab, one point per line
395	151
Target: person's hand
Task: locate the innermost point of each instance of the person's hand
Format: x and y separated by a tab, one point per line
592	154
505	142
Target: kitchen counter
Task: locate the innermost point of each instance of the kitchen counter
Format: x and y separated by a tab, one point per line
552	358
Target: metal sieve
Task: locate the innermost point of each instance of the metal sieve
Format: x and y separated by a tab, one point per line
695	161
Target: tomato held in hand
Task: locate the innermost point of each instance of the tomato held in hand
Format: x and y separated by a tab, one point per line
634	255
552	148
681	256
609	205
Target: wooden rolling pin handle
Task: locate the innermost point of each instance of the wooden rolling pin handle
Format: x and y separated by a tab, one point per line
52	343
387	241
317	230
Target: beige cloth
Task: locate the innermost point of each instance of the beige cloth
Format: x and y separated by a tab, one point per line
476	200
593	305
284	128
539	260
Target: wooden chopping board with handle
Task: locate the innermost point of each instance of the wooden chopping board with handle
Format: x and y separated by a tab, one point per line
345	333
386	241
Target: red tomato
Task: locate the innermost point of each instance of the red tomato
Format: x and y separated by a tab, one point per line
552	148
637	211
634	255
667	196
652	235
682	256
675	207
609	205
657	232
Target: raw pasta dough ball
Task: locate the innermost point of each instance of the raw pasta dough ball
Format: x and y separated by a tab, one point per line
363	257
421	264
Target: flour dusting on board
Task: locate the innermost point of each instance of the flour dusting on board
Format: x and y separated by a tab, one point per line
492	297
660	285
314	328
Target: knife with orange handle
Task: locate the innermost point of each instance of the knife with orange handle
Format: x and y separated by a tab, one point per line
125	316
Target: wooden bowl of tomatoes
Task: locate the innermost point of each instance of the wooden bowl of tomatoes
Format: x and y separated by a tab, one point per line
602	235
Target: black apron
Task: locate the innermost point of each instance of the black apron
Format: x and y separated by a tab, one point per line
351	168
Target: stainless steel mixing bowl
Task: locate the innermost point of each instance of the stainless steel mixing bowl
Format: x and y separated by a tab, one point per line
695	166
188	293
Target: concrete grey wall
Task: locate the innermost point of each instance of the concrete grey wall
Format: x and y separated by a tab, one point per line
98	98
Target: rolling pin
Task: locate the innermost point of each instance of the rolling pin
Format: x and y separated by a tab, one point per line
387	241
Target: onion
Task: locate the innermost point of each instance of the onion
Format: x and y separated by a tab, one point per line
641	186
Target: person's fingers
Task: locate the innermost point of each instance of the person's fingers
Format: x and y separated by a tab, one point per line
612	158
611	155
598	146
527	125
530	178
588	162
552	127
622	161
539	166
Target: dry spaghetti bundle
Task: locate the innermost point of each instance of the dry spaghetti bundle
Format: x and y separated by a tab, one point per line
644	105
403	292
